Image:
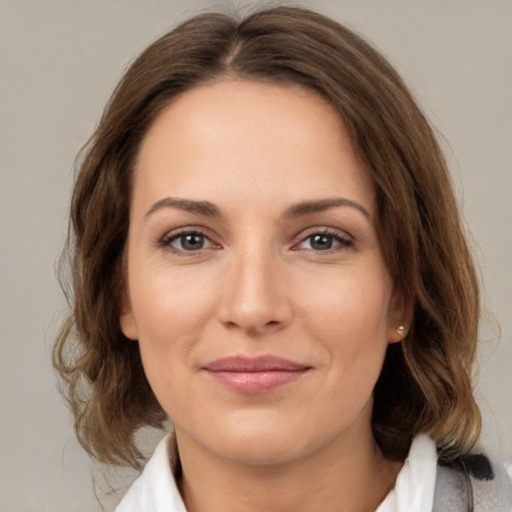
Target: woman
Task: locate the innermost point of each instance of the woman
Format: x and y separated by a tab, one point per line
266	249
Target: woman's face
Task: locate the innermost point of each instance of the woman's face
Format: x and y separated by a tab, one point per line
255	282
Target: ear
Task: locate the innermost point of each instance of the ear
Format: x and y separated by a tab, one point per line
127	318
400	317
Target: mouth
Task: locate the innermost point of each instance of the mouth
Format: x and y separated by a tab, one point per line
249	375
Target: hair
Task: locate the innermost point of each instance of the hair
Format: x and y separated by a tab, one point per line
426	381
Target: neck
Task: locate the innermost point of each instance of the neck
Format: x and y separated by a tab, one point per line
350	475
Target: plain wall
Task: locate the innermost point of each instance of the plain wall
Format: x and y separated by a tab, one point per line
59	62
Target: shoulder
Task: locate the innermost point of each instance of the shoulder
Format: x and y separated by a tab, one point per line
473	483
155	490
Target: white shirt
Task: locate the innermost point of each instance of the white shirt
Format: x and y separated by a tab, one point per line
155	490
415	484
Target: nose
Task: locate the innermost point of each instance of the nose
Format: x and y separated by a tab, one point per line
254	297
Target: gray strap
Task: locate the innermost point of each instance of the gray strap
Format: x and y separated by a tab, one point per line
457	491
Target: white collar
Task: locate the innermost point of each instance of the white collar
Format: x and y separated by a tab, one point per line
415	484
155	490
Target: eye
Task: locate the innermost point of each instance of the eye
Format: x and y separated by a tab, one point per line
321	242
186	241
325	241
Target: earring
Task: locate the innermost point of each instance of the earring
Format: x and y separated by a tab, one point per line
400	330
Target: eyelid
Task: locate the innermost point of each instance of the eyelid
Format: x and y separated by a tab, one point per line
165	241
345	239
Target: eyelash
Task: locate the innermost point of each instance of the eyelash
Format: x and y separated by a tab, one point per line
345	242
168	239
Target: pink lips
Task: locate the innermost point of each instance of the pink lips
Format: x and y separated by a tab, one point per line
255	375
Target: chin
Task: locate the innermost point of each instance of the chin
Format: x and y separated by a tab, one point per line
263	442
259	451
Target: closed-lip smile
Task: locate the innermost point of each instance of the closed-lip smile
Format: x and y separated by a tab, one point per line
254	375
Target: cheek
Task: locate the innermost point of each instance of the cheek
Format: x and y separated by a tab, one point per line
170	310
352	304
348	317
166	300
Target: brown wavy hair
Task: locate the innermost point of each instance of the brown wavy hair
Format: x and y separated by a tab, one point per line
426	381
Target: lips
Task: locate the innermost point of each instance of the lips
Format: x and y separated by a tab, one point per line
255	375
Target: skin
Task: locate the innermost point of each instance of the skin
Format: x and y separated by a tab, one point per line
260	284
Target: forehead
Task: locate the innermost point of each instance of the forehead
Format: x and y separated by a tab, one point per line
282	141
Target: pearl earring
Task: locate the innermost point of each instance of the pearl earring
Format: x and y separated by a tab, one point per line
400	330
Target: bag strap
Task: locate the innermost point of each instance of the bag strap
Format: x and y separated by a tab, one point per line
472	484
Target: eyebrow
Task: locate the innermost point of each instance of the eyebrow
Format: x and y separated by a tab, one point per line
310	207
301	209
204	208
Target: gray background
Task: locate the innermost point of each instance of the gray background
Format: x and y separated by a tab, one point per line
59	62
